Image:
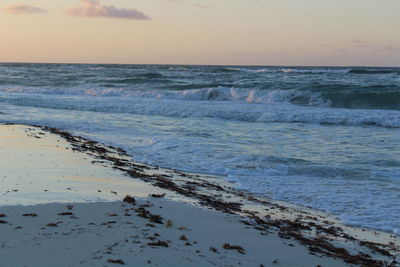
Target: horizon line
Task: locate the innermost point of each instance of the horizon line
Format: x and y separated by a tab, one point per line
183	64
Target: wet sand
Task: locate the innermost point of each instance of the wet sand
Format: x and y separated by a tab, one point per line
71	191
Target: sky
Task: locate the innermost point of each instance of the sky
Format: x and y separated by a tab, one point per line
222	32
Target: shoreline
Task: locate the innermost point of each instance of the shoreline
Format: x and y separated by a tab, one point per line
302	227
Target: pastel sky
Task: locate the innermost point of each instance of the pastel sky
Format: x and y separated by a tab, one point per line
246	32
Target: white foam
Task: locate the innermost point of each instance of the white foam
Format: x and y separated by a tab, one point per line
289	70
313	71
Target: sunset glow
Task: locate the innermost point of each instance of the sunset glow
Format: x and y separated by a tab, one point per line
248	32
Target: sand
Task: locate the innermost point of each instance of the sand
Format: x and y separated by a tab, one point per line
71	191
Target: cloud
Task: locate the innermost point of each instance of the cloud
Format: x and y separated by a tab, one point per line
202	6
173	0
23	9
93	8
362	44
379	47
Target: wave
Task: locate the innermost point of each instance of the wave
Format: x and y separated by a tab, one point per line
277	111
286	70
218	93
364	100
177	69
137	78
250	70
313	71
373	71
383	98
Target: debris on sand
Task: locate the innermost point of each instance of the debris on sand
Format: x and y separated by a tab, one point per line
129	199
235	247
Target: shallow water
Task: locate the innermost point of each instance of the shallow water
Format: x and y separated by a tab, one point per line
327	138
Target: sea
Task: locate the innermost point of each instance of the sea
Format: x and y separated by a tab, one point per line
322	137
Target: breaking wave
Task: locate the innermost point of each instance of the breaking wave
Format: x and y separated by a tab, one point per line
374	71
234	104
388	99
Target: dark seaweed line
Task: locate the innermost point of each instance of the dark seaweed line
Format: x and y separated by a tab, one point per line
286	229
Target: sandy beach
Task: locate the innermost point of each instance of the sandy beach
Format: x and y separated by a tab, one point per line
63	201
199	133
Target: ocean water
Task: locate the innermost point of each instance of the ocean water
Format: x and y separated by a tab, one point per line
323	137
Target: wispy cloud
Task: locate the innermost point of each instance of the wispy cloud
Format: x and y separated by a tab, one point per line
93	8
202	6
23	9
362	44
172	0
377	47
